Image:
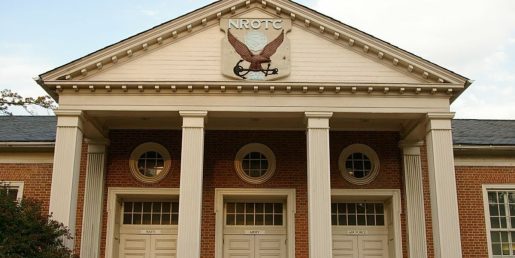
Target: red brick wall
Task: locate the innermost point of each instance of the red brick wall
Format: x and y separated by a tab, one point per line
220	150
37	180
469	182
427	202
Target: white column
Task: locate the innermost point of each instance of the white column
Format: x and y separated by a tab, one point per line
65	174
93	199
319	185
413	186
190	194
442	182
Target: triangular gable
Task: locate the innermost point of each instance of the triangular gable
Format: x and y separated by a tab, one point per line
386	62
199	56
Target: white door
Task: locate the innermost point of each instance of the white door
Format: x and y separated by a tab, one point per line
359	230
255	246
149	229
148	246
368	246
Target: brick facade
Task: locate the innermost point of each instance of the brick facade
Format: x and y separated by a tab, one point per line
469	181
37	180
220	150
290	150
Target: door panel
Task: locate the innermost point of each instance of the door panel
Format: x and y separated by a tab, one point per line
254	246
345	246
270	246
368	246
373	246
163	246
134	246
239	246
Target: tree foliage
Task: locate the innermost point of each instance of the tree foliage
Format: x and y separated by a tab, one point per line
9	98
26	232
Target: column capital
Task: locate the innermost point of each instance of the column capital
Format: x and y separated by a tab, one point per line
318	114
410	147
318	120
191	113
97	145
193	119
439	121
70	118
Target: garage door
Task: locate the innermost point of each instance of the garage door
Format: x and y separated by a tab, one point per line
359	230
254	230
149	229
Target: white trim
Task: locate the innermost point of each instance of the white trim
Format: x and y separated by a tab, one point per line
114	196
484	161
222	193
496	187
15	185
394	195
27	157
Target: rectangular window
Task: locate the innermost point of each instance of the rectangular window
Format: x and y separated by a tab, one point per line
151	213
501	216
14	189
357	214
254	214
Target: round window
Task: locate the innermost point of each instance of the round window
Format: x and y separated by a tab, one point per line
359	164
255	163
150	162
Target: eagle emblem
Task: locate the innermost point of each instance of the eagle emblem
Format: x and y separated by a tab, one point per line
256	59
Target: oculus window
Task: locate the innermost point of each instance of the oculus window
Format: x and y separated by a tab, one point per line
150	162
358	164
255	163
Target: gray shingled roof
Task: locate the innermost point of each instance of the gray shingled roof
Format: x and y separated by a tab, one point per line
27	128
483	132
465	131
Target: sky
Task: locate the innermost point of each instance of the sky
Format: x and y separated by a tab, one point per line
475	38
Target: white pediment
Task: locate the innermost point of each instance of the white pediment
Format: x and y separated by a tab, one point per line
190	49
199	57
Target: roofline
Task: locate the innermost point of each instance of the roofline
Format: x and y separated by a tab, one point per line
473	147
44	144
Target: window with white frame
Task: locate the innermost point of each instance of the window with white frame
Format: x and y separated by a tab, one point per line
14	189
501	221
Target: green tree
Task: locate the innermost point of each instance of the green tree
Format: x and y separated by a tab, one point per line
8	98
25	231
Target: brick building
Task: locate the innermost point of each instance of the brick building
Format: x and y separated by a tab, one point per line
263	129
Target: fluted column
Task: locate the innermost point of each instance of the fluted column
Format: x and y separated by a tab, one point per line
442	182
319	185
65	173
93	199
190	194
414	190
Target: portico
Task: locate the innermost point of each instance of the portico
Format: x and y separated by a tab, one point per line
135	104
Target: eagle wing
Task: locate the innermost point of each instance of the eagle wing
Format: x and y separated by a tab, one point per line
240	48
272	47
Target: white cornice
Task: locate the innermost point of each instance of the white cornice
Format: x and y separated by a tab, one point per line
208	16
268	87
